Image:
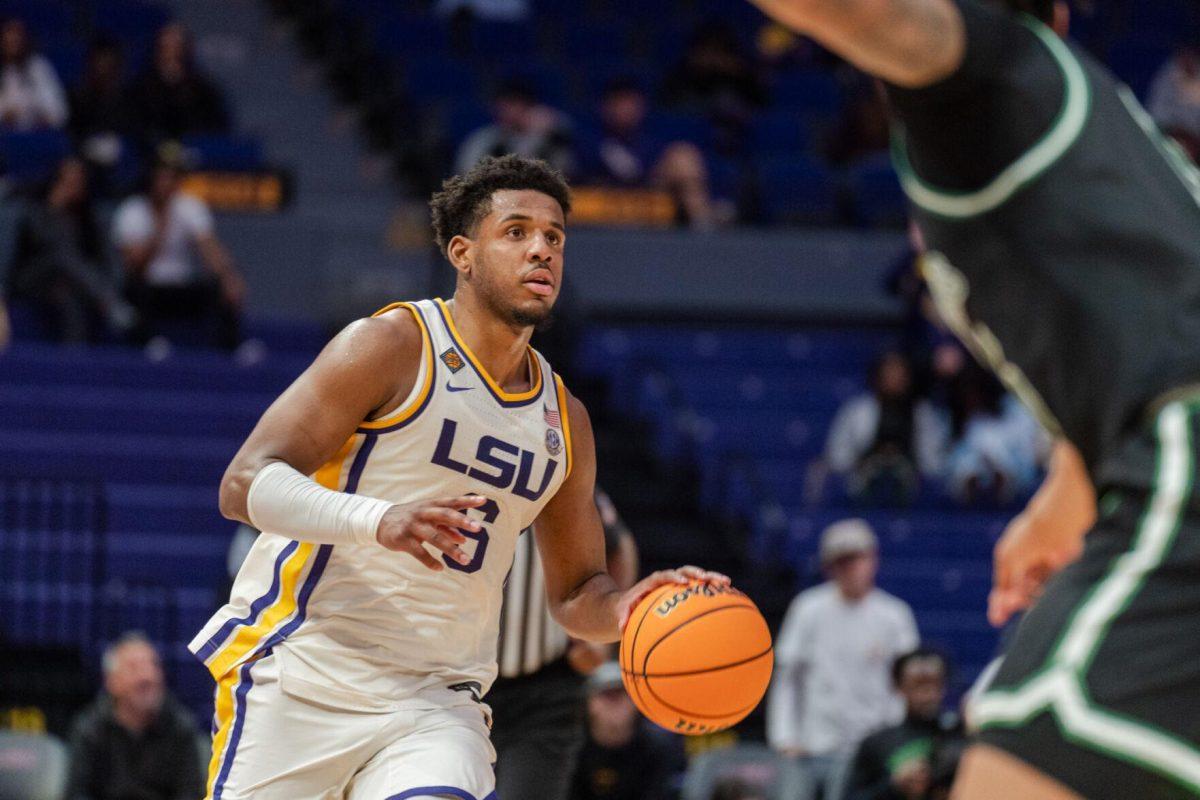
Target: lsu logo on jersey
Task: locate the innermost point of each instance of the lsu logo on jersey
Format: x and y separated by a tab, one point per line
496	463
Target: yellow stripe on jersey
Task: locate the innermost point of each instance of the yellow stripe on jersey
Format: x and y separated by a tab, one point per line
535	369
226	687
250	637
561	390
418	401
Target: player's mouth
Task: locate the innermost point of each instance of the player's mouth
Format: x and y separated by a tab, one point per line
540	282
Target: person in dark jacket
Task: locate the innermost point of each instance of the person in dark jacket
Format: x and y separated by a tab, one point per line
917	759
135	742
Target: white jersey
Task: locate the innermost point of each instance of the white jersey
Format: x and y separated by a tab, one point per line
360	627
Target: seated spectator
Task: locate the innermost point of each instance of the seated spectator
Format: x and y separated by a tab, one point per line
623	154
31	95
916	759
832	684
159	235
60	261
882	440
135	740
998	447
863	127
522	126
717	76
175	98
619	761
1174	100
104	117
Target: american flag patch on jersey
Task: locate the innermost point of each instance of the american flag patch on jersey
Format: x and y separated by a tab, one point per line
553	418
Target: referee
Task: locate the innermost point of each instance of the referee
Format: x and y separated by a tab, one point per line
538	700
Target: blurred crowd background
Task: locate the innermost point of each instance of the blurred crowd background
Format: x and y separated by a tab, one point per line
194	194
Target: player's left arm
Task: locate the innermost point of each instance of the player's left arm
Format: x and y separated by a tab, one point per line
583	597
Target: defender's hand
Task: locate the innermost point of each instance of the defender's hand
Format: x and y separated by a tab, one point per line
683	575
1029	553
407	528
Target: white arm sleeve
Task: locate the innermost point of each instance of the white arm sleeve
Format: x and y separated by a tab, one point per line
283	501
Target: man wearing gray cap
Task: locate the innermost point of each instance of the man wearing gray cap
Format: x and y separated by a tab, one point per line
834	653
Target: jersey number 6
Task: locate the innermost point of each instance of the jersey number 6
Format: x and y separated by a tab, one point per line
490	511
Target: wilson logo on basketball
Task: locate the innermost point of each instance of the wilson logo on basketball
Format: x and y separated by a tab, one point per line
706	589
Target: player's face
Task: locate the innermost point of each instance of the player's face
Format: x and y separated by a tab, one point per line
517	262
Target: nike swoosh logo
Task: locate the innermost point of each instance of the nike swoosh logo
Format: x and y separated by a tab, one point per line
450	388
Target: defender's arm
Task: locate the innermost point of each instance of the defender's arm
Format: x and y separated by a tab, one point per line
583	597
1045	537
909	43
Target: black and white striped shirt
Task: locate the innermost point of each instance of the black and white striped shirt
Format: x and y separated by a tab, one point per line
529	637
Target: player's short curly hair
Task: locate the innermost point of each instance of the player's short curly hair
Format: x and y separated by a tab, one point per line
466	199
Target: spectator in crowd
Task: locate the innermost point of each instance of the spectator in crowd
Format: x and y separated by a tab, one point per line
916	759
177	270
174	97
863	128
833	656
104	116
624	154
1175	97
619	760
60	261
882	440
31	95
998	448
135	740
522	126
716	75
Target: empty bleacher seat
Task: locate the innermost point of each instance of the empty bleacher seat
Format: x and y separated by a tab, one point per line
798	189
225	153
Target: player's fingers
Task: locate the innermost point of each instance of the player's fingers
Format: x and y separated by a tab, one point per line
462	501
449	518
699	574
442	540
418	551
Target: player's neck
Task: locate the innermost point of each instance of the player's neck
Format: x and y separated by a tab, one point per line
499	347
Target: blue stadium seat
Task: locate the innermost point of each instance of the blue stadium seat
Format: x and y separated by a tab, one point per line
225	153
31	157
875	190
815	91
797	189
782	131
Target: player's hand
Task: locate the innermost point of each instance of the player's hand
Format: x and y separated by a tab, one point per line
1029	553
408	528
682	575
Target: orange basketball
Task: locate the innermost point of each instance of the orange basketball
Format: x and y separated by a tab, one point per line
696	658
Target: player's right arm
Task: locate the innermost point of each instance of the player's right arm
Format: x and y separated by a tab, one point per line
363	373
909	43
1045	537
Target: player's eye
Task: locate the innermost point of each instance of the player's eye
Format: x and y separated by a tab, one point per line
553	238
515	232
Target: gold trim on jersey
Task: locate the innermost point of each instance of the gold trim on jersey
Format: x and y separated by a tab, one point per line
561	391
249	637
418	402
535	369
226	687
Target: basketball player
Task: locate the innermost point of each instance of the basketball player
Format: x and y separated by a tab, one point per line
1064	237
391	481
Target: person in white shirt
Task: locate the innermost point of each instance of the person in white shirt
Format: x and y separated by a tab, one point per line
176	267
31	95
833	656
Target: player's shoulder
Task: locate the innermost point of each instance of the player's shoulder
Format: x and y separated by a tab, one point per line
389	335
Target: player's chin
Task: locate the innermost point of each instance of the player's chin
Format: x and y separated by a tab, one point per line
533	311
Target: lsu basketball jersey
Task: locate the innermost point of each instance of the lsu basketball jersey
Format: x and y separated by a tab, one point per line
360	627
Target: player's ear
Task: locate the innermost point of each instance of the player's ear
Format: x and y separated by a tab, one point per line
459	254
1062	18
